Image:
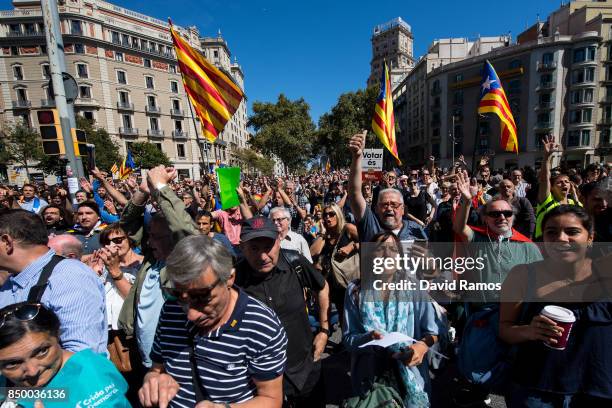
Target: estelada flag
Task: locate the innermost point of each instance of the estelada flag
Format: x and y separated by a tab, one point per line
493	100
383	122
212	93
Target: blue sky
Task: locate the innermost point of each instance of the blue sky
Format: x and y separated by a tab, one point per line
320	49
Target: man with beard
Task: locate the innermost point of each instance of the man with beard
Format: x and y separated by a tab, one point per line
497	244
389	207
55	219
553	190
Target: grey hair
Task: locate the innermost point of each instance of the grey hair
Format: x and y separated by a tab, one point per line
194	255
391	190
277	209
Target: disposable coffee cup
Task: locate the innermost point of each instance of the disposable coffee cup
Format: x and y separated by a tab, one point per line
563	318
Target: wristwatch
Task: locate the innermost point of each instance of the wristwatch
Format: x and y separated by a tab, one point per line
324	330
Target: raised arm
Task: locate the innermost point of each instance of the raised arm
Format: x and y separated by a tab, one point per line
549	145
244	205
463	210
110	189
358	203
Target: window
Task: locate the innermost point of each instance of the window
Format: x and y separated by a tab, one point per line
115	37
590	54
18	72
149	82
579	55
127	121
585	137
172	68
14	50
147	63
545	98
85	92
458	98
75	27
15	29
178	126
22	95
118	56
79	48
583	75
588	95
151	101
46	71
576	97
176	104
154	123
216	54
88	115
604	137
174	86
82	71
124	97
548	58
121	77
545	79
159	146
587	115
180	150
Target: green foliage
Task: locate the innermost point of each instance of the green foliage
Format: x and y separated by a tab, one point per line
107	152
284	129
249	158
352	114
146	155
22	145
52	165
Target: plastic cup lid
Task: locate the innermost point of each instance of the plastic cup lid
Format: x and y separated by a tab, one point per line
559	314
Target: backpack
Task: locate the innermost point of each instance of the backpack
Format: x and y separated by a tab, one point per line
483	357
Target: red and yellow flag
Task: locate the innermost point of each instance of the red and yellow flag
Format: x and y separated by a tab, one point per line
383	122
493	100
213	95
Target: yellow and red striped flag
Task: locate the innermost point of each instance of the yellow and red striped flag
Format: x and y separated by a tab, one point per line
213	95
383	122
493	100
114	169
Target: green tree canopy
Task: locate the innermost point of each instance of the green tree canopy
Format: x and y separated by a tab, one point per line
146	155
352	113
22	145
107	152
284	129
249	158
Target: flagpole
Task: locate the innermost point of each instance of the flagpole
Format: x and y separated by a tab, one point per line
202	149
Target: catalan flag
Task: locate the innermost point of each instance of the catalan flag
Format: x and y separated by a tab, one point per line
114	169
493	100
212	93
328	166
383	122
127	166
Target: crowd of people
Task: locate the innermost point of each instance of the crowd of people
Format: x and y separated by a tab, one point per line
148	292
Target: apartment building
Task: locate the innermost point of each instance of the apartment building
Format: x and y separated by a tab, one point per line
391	42
127	76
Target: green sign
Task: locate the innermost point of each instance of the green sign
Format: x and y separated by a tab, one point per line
228	179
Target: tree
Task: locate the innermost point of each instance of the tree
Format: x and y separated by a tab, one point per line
107	152
284	129
249	158
22	145
146	155
352	113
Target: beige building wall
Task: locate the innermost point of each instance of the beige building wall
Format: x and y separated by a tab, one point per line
391	42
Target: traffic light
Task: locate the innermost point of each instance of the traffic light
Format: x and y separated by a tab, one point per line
51	132
79	141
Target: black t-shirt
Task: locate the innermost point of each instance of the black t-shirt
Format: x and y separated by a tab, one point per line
281	290
416	206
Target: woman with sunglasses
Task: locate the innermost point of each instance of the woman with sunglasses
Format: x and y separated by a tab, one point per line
339	242
31	357
545	374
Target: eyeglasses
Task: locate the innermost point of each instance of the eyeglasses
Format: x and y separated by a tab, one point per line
198	296
116	240
279	220
330	214
497	214
391	204
24	313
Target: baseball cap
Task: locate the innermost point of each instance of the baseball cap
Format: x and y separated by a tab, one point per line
258	227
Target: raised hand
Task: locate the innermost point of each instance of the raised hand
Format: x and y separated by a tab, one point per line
357	144
463	184
85	185
549	145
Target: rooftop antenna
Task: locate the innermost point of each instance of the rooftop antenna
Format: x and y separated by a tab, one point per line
219	33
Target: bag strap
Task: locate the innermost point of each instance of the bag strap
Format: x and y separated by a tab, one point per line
37	291
290	258
197	383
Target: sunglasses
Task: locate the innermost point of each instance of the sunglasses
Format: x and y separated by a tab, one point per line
279	220
497	214
391	204
24	313
329	214
116	240
197	296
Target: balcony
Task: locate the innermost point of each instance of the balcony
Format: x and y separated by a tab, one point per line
546	66
179	134
545	86
47	103
177	112
132	46
545	106
28	33
544	125
86	102
128	131
125	106
155	133
21	104
153	109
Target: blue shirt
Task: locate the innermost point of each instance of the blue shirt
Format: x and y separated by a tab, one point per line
369	226
34	205
105	216
250	346
74	293
150	304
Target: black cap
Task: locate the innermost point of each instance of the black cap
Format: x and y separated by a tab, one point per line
258	227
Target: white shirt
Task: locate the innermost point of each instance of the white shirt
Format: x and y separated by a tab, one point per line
114	301
296	242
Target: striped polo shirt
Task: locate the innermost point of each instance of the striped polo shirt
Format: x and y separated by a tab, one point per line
250	346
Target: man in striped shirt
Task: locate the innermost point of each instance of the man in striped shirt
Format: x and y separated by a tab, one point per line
214	343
